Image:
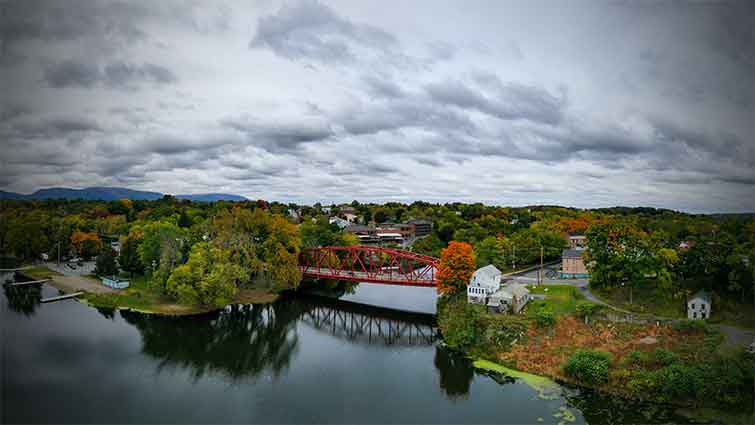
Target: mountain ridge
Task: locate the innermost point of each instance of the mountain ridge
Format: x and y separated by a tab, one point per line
101	193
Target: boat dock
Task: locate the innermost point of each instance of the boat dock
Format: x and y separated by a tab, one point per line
62	297
31	282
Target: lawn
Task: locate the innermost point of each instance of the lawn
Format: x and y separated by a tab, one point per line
645	300
560	299
143	296
40	272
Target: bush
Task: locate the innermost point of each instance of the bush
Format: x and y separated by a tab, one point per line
457	321
588	366
545	318
689	326
587	309
678	381
664	357
501	332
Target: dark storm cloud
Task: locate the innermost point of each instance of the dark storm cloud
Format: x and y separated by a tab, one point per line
29	127
507	101
311	30
71	73
121	75
279	136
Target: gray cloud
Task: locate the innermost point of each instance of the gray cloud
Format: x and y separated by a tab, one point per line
305	101
70	73
311	30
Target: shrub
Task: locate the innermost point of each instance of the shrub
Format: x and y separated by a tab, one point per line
588	366
458	321
678	381
545	318
689	326
664	357
502	332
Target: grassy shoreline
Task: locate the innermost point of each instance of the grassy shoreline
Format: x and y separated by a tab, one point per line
140	296
684	365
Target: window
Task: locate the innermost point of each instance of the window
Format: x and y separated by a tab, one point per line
694	315
693	306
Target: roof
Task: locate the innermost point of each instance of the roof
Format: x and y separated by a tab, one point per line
701	295
490	271
510	291
518	289
572	253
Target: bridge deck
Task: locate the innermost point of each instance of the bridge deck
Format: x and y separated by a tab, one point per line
416	279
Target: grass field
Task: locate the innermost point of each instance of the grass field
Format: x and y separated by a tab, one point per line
560	299
40	272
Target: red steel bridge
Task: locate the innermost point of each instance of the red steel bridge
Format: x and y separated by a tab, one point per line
373	264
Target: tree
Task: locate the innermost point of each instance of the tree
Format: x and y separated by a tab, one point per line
208	278
87	245
493	250
265	245
457	263
129	259
105	264
160	249
620	255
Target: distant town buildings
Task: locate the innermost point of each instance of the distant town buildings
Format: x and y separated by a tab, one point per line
338	221
577	241
699	306
421	227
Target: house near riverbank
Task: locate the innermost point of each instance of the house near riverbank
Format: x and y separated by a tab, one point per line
509	299
699	306
484	282
115	283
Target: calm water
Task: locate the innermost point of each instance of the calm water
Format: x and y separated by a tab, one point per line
301	359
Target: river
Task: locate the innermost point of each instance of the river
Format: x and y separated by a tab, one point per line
302	359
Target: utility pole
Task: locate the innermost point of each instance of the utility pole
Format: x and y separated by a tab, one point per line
513	256
541	265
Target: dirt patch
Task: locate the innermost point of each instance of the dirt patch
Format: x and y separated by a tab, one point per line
80	283
255	296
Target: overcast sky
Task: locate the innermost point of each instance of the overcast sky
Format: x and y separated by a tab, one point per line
511	103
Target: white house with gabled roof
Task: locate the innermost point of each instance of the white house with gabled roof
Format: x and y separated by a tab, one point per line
698	306
484	282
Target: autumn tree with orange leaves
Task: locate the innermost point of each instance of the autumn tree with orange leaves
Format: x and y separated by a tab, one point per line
457	263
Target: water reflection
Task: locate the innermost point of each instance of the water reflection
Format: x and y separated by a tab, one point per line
241	341
23	299
364	324
456	372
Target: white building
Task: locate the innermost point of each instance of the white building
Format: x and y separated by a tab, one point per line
338	221
512	297
484	282
698	307
351	217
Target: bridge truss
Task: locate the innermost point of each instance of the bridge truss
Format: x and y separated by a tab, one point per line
388	266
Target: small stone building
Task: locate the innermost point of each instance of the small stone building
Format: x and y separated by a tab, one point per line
698	306
484	282
510	298
572	264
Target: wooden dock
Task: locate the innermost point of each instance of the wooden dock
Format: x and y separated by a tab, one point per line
61	297
31	282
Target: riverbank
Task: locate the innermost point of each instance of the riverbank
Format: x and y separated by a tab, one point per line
140	296
683	364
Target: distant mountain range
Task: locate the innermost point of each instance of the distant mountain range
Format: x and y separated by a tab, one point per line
112	194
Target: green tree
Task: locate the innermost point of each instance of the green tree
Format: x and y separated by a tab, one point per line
129	258
208	278
160	249
620	255
105	264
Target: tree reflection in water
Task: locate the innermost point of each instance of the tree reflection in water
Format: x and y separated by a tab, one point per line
23	299
241	341
456	372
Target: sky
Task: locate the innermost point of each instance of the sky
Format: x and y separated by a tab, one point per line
584	104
